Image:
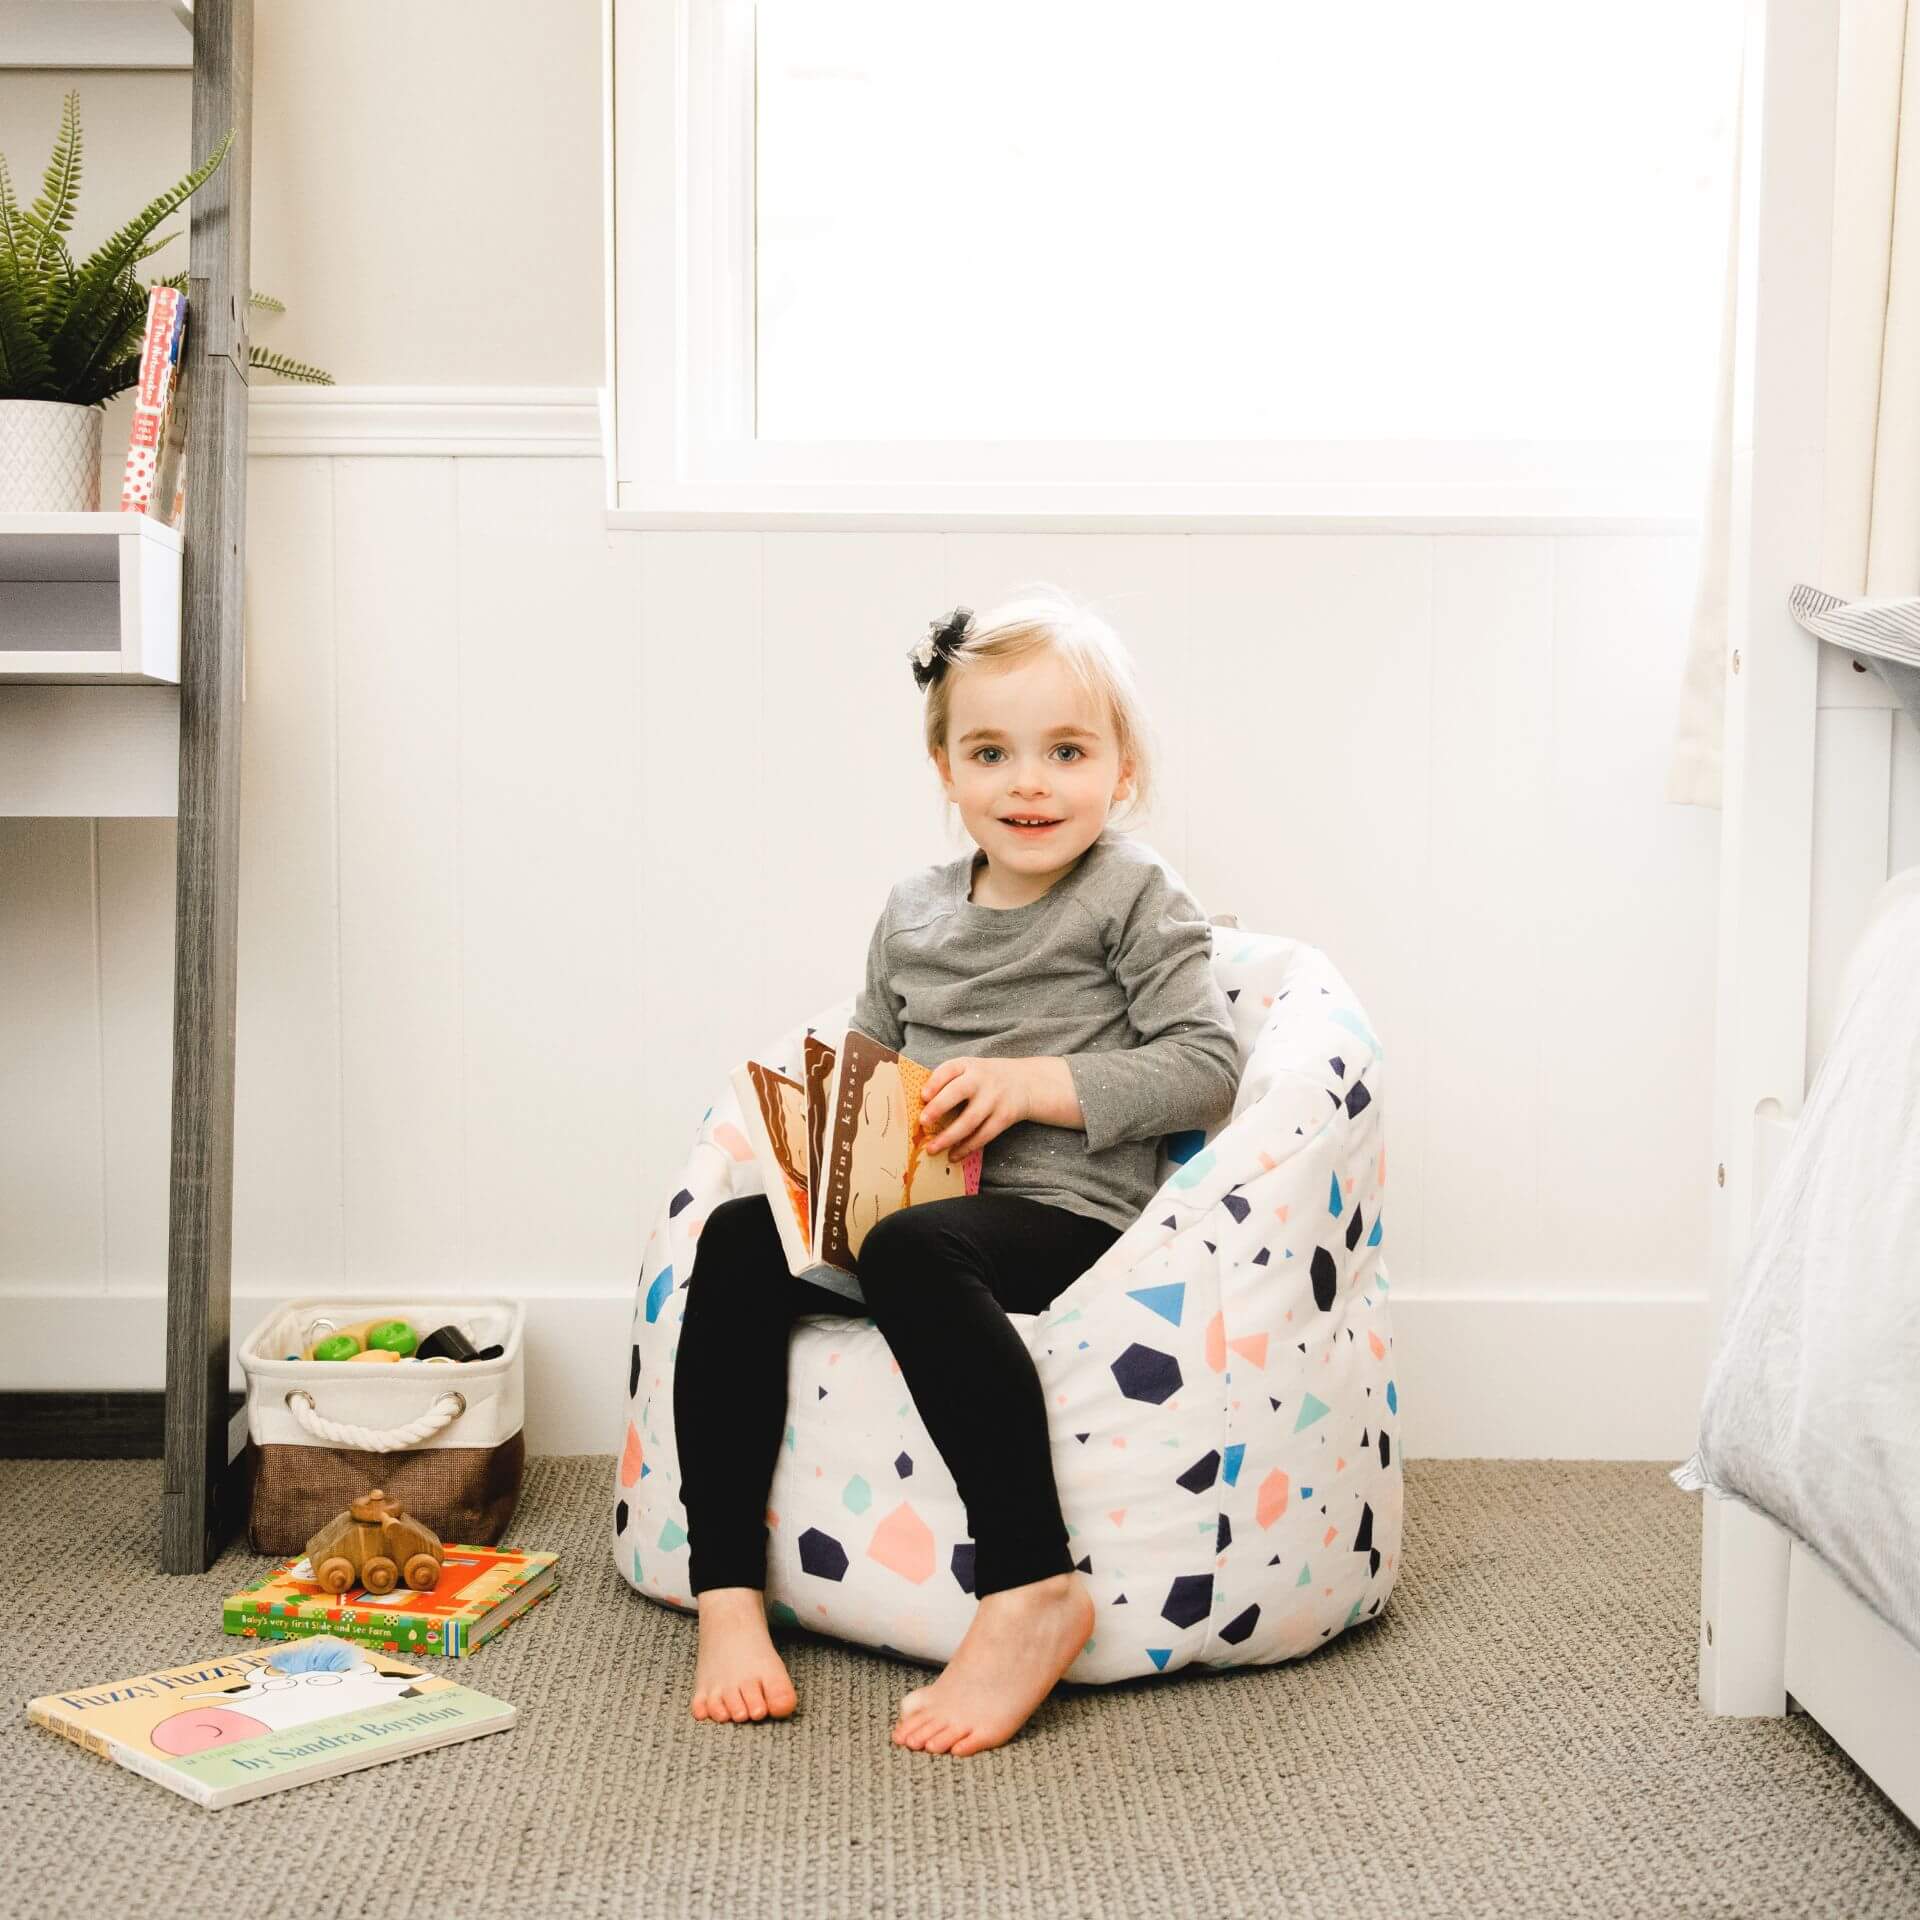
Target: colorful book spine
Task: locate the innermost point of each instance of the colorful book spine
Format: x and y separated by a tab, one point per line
481	1590
400	1633
155	429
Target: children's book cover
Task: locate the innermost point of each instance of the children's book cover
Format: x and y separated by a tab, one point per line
774	1111
819	1077
843	1150
876	1159
251	1721
479	1591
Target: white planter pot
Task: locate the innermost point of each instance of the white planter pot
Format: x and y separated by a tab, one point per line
49	457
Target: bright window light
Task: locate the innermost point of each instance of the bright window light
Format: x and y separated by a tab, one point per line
1213	220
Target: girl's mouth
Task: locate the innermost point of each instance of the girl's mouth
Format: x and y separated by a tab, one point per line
1030	833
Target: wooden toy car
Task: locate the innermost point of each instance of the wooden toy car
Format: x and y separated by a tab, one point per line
374	1544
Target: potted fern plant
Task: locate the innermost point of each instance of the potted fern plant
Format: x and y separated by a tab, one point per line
70	335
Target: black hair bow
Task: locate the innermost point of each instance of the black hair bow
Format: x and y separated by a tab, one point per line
941	647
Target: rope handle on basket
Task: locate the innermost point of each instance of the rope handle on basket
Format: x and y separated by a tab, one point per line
447	1408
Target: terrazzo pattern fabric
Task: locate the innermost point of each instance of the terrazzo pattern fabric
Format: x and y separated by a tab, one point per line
1220	1384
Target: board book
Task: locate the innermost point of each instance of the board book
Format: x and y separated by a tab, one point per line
250	1721
479	1591
843	1150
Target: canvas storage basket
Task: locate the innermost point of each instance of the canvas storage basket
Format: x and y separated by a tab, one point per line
446	1442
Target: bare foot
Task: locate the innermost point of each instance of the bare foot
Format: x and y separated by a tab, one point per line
1021	1641
738	1675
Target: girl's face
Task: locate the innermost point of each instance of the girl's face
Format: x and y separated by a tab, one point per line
1023	741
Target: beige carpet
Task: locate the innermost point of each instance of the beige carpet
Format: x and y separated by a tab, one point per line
1516	1734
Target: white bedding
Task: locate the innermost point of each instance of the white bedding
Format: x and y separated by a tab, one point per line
1812	1404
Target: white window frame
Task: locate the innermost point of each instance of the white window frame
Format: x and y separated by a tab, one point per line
678	406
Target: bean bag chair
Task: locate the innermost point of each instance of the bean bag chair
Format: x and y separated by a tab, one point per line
1220	1383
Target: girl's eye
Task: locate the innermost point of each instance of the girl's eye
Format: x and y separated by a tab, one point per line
1067	745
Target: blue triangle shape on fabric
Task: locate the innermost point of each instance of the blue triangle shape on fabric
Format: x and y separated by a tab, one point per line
1167	1301
1160	1656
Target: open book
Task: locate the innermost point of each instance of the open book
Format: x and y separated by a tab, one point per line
248	1721
843	1150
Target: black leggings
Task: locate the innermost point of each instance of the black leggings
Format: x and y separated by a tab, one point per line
940	1279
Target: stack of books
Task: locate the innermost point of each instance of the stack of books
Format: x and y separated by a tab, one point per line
480	1590
326	1694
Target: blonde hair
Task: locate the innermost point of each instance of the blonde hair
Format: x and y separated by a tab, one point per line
1042	618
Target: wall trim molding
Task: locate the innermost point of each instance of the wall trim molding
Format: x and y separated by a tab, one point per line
1591	1376
291	421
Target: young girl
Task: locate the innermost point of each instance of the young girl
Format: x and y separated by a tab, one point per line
1059	982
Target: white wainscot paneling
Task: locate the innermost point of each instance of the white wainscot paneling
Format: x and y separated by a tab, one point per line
52	1207
532	836
1628	888
1482	922
551	945
844	766
403	1065
1310	756
288	1220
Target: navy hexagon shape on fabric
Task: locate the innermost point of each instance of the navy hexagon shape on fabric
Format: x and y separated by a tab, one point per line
822	1554
1145	1373
1188	1599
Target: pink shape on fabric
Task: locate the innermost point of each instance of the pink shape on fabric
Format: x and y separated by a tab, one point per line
1273	1498
1217	1342
903	1543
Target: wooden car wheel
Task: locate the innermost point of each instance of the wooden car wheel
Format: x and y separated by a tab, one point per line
379	1575
335	1573
423	1573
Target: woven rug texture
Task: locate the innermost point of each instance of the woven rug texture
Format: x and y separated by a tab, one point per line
1516	1734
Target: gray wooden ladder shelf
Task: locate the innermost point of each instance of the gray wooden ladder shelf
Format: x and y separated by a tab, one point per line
202	1481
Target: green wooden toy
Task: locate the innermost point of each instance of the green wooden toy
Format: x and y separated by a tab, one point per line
393	1336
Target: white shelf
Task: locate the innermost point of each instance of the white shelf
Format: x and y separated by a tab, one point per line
96	33
89	599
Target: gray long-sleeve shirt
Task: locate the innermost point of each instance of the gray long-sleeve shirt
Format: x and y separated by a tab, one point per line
1110	969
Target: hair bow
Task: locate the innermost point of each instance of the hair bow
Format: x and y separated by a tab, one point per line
941	646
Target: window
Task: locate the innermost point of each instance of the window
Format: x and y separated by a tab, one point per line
1469	253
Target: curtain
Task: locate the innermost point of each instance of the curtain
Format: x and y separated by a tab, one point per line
1870	537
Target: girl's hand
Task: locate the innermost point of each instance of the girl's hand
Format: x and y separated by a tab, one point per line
981	1099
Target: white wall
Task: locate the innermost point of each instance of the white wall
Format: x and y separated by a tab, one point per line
426	183
526	867
529	857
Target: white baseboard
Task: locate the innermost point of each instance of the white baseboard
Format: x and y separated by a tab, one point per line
1593	1377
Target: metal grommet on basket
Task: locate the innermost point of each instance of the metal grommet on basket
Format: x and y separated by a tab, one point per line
462	1398
298	1393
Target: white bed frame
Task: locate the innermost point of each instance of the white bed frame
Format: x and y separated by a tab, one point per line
1778	1629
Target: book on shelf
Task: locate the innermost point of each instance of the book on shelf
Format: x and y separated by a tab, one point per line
843	1148
250	1721
479	1591
154	481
